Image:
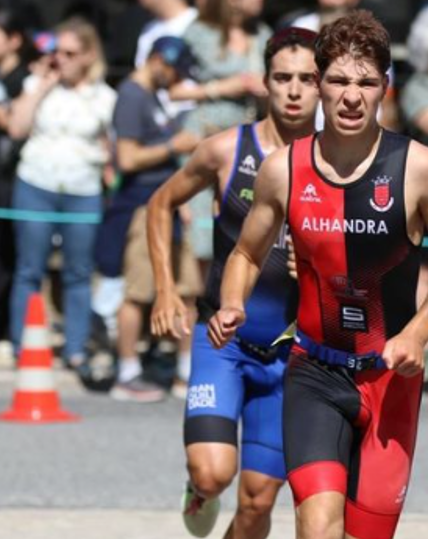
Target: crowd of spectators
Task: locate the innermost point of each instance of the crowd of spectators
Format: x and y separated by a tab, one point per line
80	157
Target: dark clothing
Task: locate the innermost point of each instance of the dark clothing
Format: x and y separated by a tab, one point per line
10	88
357	267
138	116
347	430
353	433
275	294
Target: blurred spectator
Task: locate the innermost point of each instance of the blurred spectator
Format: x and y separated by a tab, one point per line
328	11
414	95
121	46
16	52
148	144
93	11
414	106
29	12
172	18
228	41
65	110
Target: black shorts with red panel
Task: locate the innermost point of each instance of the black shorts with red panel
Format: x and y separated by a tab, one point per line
352	432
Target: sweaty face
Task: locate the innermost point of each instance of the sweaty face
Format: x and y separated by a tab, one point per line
351	91
293	92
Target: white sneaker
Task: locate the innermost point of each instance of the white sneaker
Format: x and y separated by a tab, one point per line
137	390
179	389
199	514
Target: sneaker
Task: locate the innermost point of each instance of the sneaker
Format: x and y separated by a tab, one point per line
81	366
199	514
179	389
137	390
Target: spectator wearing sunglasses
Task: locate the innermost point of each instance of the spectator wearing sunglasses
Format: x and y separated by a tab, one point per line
65	111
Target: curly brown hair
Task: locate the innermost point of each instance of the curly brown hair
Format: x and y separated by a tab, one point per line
358	34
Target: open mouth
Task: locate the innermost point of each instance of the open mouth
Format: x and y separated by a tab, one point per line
351	116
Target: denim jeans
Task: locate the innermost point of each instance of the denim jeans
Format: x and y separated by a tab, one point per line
34	244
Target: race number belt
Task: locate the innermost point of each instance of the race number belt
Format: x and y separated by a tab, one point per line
334	357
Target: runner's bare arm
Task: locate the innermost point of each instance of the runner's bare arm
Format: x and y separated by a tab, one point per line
199	173
404	352
259	233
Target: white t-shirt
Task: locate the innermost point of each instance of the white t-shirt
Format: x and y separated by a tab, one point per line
160	28
311	21
65	152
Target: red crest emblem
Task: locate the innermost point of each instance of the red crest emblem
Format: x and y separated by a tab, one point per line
382	199
381	194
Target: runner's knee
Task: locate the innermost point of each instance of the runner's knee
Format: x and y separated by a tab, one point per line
320	527
256	506
321	517
210	481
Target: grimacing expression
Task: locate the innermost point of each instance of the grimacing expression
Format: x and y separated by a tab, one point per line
291	83
351	91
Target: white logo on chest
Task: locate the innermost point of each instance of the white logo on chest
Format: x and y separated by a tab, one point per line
248	166
350	226
309	194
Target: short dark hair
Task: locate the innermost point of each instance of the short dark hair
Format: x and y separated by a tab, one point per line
290	37
358	34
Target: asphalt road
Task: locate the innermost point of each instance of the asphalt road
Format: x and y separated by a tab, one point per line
120	471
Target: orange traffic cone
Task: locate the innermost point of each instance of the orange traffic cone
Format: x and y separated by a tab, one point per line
35	399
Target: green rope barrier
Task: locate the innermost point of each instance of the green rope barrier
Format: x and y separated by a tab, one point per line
50	216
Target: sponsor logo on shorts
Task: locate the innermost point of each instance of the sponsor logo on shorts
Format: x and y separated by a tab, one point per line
248	166
201	396
382	199
309	194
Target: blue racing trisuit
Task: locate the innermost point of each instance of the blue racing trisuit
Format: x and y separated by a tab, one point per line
245	378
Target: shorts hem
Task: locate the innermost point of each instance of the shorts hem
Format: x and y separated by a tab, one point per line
365	524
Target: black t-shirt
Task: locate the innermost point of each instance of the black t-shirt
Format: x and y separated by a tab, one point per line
10	88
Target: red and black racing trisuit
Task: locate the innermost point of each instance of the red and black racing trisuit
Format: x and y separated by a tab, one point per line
346	430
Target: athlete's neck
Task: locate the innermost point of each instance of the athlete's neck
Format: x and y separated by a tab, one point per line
346	158
273	135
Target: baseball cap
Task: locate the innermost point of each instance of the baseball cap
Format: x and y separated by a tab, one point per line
176	53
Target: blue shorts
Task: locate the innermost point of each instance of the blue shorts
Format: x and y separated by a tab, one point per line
228	384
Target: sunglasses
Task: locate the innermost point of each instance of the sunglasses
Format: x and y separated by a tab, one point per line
67	53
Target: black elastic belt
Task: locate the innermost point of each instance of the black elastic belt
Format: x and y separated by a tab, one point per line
265	354
334	357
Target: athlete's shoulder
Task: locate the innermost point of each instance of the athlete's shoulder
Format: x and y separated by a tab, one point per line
277	161
273	177
417	158
220	145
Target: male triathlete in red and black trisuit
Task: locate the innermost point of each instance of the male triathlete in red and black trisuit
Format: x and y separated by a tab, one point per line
356	199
